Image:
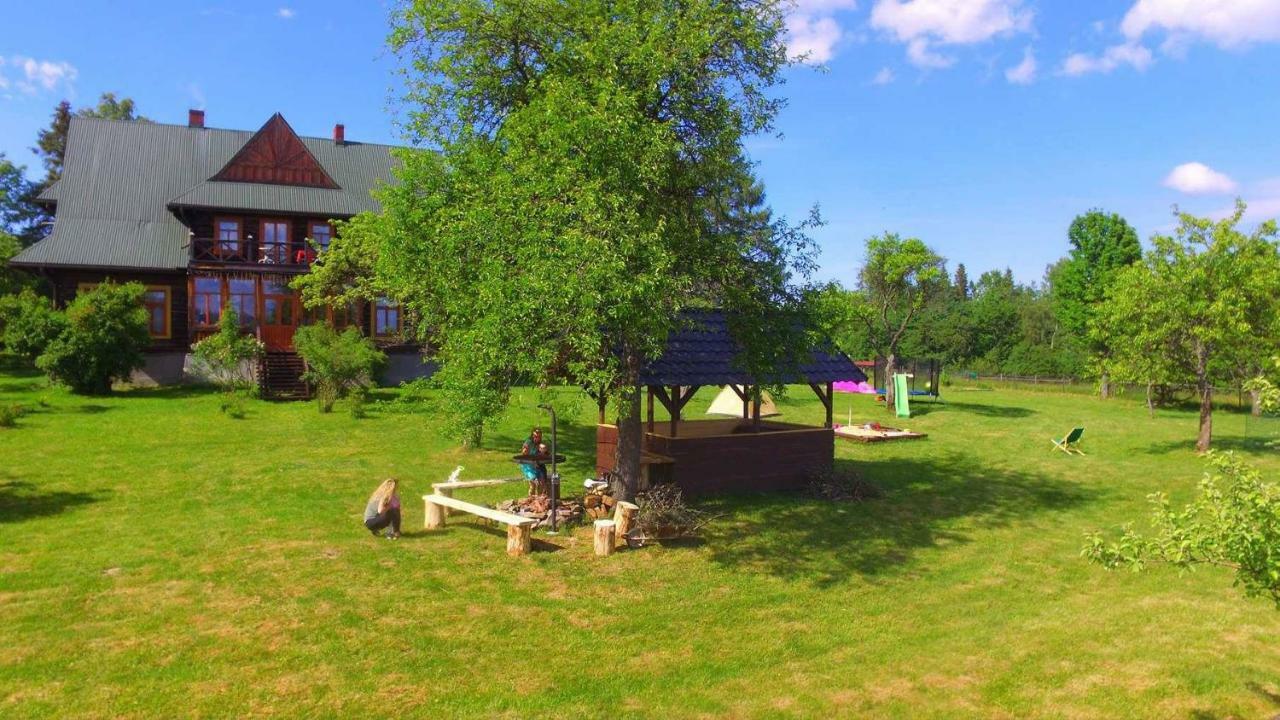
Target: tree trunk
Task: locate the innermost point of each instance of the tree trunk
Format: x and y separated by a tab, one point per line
890	367
1255	402
1151	403
1104	385
1205	438
626	460
604	537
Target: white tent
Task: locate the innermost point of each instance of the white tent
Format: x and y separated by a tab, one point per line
728	403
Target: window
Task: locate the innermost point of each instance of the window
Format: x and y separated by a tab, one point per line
242	295
386	318
274	242
206	301
226	234
156	301
321	233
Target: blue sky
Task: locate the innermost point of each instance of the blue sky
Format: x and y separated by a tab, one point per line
980	126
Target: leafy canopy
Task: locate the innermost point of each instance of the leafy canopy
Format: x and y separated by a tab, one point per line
1201	303
587	158
338	363
224	354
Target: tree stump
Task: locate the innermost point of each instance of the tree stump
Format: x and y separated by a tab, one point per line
519	539
604	537
434	514
624	516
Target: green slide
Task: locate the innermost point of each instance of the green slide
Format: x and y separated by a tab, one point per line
900	394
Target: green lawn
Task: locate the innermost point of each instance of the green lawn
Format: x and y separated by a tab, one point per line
160	560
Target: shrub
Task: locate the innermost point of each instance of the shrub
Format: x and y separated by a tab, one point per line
223	356
103	340
29	323
337	362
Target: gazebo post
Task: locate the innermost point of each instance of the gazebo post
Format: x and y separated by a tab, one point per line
649	390
755	408
826	395
675	409
831	401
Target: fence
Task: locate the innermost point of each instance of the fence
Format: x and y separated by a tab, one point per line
1229	396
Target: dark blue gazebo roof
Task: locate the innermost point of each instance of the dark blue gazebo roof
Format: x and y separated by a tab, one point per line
702	352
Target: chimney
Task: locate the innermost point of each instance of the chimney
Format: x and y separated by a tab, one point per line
195	118
339	134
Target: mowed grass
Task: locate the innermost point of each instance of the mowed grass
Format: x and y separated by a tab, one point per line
158	559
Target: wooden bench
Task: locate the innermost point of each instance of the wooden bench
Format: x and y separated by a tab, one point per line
519	529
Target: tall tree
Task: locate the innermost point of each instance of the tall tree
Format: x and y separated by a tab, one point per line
564	223
1101	244
899	277
51	142
962	282
20	217
1195	307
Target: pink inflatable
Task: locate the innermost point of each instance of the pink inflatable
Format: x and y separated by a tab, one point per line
848	386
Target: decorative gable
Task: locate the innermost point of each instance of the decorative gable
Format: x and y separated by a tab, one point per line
275	155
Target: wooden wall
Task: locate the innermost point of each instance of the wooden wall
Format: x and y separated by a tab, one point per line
66	284
738	463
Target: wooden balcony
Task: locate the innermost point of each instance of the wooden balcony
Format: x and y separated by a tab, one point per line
276	256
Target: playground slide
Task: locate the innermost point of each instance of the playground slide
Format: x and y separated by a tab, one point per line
900	395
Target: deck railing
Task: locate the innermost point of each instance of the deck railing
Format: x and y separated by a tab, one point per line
248	251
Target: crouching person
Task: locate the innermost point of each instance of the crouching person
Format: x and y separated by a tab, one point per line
383	509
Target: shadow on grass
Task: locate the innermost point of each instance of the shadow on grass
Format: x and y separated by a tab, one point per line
1253	687
796	538
21	500
1222	442
995	411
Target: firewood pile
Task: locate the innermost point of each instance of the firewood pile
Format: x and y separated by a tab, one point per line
599	503
538	507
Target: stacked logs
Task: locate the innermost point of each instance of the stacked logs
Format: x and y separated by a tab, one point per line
599	504
538	507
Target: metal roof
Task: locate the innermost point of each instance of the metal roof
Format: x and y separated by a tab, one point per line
120	178
703	352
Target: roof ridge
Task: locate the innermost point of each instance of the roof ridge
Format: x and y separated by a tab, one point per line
183	126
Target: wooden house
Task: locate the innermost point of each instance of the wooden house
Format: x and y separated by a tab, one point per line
206	218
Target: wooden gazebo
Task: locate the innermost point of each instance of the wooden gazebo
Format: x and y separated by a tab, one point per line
707	456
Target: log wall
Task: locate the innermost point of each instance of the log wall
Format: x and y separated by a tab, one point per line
783	457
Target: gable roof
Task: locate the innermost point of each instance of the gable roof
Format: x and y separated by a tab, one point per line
703	352
277	156
122	178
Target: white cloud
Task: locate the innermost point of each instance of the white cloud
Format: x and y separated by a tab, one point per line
812	30
1113	57
884	77
42	74
923	24
286	13
1195	178
1228	23
1024	73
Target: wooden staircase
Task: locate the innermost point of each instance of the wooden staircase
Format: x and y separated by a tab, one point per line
280	376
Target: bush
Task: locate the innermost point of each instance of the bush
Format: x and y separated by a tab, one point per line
103	340
223	356
337	362
28	324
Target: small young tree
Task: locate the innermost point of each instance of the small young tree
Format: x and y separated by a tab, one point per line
224	356
103	341
28	323
1234	523
899	277
338	363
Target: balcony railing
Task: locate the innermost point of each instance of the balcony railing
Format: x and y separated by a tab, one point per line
248	251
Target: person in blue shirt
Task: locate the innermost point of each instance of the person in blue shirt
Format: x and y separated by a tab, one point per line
534	472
